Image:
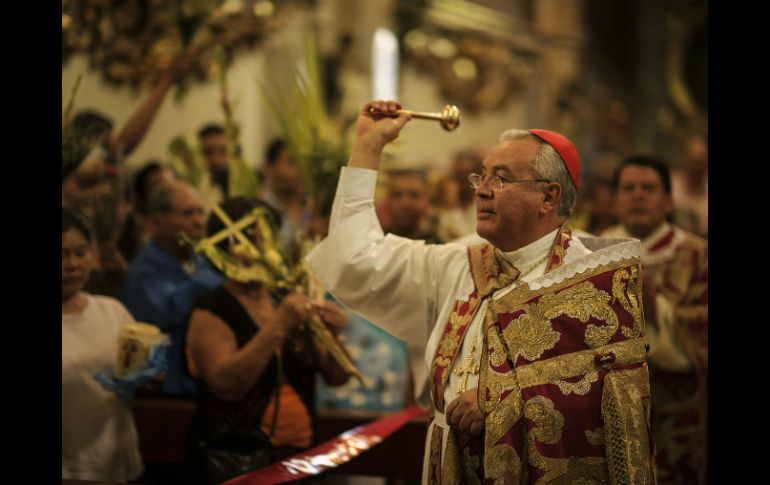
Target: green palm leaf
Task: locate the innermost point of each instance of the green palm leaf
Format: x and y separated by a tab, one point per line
298	109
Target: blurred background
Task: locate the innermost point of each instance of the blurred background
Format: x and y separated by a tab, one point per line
615	77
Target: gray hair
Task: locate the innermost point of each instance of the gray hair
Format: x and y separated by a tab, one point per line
549	165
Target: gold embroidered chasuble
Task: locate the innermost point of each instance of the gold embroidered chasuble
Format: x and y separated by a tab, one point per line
563	377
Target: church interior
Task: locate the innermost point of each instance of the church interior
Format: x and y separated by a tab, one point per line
249	109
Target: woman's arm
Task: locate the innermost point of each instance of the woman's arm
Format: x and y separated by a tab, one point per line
230	372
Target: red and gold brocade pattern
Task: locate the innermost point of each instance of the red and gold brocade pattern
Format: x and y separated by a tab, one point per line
450	343
563	380
559	248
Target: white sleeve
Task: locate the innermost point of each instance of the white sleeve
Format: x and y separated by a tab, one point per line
665	350
396	283
124	315
114	311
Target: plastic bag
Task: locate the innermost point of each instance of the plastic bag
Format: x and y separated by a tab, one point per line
125	387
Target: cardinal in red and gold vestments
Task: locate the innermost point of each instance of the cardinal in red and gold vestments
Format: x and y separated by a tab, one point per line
528	347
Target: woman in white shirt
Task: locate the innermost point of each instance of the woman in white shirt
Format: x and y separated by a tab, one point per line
99	439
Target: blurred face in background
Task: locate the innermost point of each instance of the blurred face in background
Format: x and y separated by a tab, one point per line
449	193
696	156
462	166
641	201
284	175
187	215
214	147
77	261
407	203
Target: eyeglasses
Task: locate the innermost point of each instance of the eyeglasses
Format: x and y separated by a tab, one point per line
476	180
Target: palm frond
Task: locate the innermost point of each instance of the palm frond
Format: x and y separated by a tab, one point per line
297	107
186	159
242	180
74	147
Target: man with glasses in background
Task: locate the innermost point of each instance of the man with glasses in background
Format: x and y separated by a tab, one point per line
529	348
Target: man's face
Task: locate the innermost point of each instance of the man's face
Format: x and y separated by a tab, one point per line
187	215
696	156
285	174
461	168
507	217
407	201
641	202
214	149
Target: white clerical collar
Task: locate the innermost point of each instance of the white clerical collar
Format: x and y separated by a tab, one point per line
655	237
650	240
531	254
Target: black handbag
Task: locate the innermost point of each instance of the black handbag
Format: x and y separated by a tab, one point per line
230	453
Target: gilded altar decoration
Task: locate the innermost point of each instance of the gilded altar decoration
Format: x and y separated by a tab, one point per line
132	42
480	57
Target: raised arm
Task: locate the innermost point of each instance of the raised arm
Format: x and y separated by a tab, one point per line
373	132
137	125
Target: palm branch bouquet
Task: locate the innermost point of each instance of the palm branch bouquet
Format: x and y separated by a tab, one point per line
74	146
264	263
317	145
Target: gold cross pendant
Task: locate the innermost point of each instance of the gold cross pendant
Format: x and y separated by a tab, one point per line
465	371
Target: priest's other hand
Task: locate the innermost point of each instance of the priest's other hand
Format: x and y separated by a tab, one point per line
464	414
